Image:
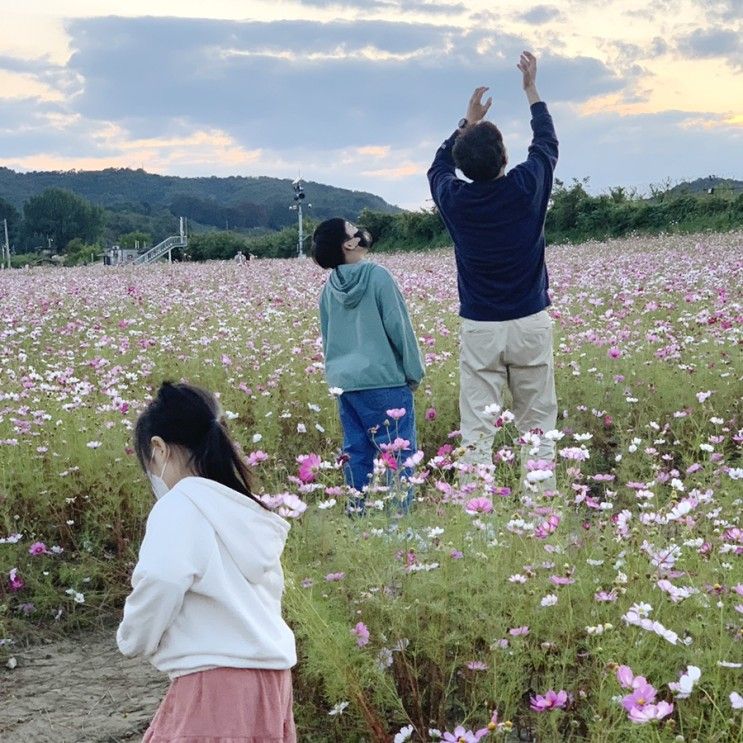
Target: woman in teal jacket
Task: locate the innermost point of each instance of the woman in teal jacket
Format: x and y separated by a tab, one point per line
371	352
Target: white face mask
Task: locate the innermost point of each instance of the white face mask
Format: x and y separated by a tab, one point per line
159	486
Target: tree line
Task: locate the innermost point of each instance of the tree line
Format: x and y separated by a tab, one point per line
64	222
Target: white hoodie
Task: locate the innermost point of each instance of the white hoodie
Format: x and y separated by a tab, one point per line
208	584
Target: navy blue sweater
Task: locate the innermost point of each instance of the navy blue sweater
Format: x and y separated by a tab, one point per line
498	228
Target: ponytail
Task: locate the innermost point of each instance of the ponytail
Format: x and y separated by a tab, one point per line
189	417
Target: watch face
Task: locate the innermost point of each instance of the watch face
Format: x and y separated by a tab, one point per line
462	123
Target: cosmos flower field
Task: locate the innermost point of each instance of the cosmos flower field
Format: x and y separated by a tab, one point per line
610	610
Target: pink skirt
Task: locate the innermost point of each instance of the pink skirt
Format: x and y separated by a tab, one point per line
226	705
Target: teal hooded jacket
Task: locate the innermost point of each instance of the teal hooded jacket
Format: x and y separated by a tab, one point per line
368	339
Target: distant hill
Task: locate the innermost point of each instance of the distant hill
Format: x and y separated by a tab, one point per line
721	186
137	200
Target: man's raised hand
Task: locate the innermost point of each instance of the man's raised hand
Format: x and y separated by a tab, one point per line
476	109
528	66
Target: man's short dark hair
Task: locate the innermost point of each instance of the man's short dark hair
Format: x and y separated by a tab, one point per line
479	152
327	243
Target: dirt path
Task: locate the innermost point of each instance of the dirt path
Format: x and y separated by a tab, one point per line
78	691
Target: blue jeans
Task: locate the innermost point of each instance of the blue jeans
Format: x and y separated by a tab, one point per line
363	413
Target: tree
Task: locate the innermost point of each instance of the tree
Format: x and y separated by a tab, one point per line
204	246
59	216
9	212
130	239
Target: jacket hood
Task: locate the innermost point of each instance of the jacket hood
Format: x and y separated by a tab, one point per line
253	536
348	282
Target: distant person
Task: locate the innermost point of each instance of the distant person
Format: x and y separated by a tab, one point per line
240	257
497	225
206	604
371	352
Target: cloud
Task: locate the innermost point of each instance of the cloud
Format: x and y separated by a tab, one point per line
319	84
728	10
360	104
645	148
540	14
420	7
711	42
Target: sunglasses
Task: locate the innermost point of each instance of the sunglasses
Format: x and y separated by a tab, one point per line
365	239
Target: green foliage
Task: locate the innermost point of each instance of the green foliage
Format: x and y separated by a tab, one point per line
206	246
410	230
79	252
282	244
576	216
244	214
138	201
157	223
130	239
60	216
9	212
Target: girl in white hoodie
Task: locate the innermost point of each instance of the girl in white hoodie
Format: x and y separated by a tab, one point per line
206	601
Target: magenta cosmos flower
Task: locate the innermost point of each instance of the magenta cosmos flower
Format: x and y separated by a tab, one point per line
551	700
396	413
309	466
15	581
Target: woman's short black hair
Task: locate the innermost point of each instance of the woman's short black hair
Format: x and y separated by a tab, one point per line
327	243
189	417
479	152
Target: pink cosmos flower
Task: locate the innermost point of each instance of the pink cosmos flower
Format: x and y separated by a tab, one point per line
431	414
551	700
650	712
460	735
396	413
560	580
256	457
605	596
362	634
477	665
15	581
644	693
625	677
399	444
291	506
334	577
309	466
614	352
518	631
479	505
456	555
38	548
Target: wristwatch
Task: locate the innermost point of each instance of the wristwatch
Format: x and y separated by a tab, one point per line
462	123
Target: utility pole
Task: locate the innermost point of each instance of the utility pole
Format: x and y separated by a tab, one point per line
6	249
299	197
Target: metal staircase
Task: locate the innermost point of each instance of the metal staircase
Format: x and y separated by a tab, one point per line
166	246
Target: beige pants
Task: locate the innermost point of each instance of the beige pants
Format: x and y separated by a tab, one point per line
513	353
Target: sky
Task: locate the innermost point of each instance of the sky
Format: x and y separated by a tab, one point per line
360	93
